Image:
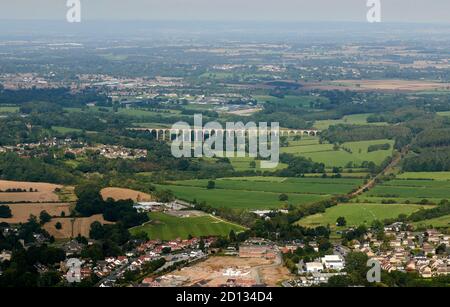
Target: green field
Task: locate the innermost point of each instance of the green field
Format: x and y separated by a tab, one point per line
166	227
290	100
232	75
9	109
134	112
425	175
412	188
289	185
445	113
261	192
357	152
64	130
439	222
243	164
357	214
356	119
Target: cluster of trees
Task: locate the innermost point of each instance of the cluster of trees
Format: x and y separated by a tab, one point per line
377	147
21	271
90	202
14	130
13	167
111	236
434	159
147	269
298	166
5	212
402	114
349	133
443	208
61	96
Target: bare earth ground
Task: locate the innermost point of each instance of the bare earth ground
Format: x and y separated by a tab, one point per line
72	227
213	271
246	112
45	192
124	194
21	212
383	85
186	213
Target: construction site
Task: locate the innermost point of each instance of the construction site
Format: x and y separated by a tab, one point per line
225	271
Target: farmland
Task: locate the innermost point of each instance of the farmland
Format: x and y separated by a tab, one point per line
167	227
380	85
9	109
409	190
124	194
356	119
290	100
439	222
425	175
243	164
64	130
351	152
32	192
21	212
357	214
260	192
72	227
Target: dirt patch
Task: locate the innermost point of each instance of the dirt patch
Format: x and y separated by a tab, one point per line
245	112
186	213
124	194
72	227
45	192
21	212
380	85
217	271
274	275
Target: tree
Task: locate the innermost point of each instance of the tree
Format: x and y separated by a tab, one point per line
5	212
441	249
90	201
253	164
232	236
44	217
58	225
211	185
97	232
341	221
283	197
356	267
165	196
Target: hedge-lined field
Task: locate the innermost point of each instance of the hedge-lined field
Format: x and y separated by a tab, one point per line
357	214
166	227
261	192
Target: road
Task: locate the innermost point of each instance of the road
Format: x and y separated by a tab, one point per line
371	183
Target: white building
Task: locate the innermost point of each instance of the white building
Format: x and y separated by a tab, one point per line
333	262
314	267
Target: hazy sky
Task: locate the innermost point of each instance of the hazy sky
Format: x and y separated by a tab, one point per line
230	10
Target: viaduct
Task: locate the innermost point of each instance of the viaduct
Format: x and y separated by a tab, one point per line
166	133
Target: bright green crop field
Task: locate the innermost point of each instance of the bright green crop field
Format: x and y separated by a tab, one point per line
166	227
261	192
357	214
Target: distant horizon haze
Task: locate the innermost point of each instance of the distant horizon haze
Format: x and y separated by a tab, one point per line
393	11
